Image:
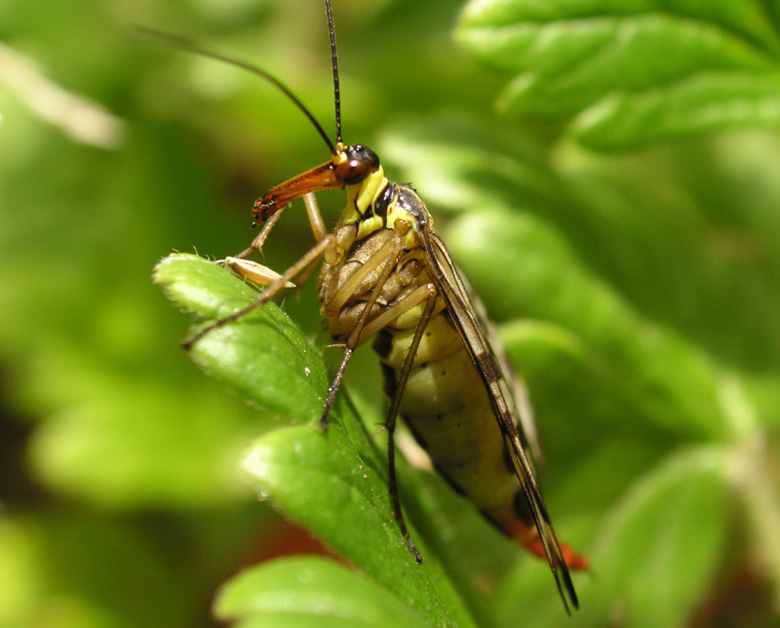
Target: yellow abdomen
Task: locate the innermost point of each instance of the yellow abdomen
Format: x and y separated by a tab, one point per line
446	406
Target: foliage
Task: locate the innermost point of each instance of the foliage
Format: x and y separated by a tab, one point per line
618	216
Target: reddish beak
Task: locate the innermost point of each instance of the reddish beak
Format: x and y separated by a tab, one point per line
321	177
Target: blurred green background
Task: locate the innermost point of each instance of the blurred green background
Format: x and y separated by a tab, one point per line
629	247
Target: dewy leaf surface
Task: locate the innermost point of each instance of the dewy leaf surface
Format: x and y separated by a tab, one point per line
629	73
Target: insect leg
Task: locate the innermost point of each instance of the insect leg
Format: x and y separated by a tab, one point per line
417	296
334	388
315	217
391	252
257	243
392	415
426	293
265	276
315	220
269	293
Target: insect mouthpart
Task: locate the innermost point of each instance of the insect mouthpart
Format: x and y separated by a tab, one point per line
349	166
322	177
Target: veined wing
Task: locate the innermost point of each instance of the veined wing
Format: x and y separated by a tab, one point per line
474	327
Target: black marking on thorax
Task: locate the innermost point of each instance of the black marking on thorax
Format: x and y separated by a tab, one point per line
381	205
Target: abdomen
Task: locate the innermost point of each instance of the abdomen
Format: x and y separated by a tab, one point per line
446	406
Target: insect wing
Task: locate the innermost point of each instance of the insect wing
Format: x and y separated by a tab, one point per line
512	385
473	328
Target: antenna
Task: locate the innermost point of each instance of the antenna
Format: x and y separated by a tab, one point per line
335	64
180	42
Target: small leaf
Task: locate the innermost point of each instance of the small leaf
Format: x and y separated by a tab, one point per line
310	592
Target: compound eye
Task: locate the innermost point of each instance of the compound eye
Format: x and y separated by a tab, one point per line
352	171
361	161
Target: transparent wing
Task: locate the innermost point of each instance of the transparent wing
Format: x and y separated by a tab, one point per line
493	367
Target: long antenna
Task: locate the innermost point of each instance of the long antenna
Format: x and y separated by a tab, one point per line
335	63
185	44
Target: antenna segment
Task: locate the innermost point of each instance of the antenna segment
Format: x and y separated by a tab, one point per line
335	66
185	44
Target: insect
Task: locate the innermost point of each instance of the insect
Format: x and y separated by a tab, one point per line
388	276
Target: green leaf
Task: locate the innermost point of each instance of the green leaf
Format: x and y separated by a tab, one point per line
629	73
243	354
334	483
325	481
310	592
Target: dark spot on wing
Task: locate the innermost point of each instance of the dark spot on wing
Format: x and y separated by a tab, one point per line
487	365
